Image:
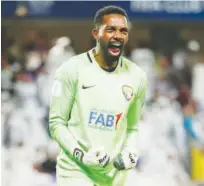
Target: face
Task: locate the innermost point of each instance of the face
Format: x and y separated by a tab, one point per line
112	35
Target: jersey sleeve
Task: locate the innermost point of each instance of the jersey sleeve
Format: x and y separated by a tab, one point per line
63	95
136	107
134	115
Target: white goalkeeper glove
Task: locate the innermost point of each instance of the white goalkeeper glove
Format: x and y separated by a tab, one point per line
126	160
94	157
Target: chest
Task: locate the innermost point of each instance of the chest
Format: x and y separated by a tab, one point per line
107	90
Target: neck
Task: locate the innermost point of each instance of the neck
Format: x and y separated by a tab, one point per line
103	61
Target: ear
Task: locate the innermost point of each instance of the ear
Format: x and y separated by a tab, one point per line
95	33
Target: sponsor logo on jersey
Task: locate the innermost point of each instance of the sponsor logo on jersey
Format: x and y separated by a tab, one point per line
104	120
127	92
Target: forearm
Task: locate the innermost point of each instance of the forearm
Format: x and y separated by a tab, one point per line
128	157
131	139
61	134
133	121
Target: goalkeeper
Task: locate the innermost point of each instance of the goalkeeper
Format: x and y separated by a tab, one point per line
97	99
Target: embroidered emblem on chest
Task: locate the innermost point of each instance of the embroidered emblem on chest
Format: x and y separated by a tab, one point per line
127	92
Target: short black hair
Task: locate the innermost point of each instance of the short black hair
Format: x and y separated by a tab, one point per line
98	19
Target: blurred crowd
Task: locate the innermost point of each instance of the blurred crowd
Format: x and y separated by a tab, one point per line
172	123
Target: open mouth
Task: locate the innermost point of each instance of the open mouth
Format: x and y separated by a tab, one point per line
114	48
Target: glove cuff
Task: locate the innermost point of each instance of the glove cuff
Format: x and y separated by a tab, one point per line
118	163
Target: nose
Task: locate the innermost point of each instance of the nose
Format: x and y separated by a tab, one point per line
117	35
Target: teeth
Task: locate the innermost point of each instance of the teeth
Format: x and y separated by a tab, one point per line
116	44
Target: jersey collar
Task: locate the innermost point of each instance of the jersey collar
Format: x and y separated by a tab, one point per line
92	60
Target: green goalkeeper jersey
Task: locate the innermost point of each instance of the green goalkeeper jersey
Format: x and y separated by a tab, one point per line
92	107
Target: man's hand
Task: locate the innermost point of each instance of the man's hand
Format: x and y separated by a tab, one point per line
126	160
94	157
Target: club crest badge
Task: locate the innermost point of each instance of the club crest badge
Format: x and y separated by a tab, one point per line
127	91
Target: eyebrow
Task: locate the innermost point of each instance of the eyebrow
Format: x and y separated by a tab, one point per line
113	27
124	29
109	26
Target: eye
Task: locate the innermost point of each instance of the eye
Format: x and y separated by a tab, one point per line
110	29
124	31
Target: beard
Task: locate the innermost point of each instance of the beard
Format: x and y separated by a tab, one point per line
109	51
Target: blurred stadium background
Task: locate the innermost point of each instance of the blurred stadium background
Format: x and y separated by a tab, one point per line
166	40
